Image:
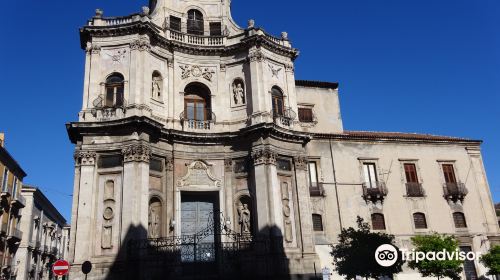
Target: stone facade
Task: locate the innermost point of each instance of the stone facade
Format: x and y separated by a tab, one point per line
11	176
183	108
45	237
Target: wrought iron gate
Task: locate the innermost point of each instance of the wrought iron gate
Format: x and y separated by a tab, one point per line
230	255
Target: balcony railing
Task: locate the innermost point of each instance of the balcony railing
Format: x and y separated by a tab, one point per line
190	123
414	190
195	39
455	191
316	189
285	118
18	202
374	191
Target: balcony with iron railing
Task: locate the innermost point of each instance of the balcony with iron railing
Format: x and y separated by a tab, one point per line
316	189
203	123
414	190
284	117
18	201
455	191
15	235
101	112
374	191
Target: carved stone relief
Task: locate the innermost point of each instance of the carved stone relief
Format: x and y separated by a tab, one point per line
287	212
197	71
108	215
199	175
275	71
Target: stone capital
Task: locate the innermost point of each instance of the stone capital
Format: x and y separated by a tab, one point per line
169	164
85	157
301	163
228	165
136	152
141	45
264	156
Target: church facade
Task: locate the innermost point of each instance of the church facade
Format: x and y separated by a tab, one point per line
199	152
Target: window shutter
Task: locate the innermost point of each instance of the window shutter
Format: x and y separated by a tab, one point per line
420	221
317	222
411	173
378	222
449	173
459	219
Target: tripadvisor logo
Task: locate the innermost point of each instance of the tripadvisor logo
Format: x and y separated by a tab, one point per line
387	255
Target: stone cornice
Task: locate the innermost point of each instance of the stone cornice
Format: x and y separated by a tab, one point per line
141	27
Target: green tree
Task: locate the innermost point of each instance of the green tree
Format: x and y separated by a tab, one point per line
436	268
492	260
354	255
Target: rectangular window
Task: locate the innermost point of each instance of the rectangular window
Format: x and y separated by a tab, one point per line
411	173
469	266
215	29
370	173
317	222
109	161
175	23
313	174
5	178
305	115
156	164
449	174
14	187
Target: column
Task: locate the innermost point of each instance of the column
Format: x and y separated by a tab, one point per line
135	192
228	189
82	236
267	193
304	204
170	197
256	57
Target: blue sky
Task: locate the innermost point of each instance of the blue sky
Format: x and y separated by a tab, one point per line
415	66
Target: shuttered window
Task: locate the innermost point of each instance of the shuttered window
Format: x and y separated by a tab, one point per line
215	29
411	173
469	266
449	173
378	222
175	23
420	221
459	219
305	115
317	222
369	170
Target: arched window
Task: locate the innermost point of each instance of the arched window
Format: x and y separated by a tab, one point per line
419	221
197	102
277	100
195	23
459	219
317	222
378	221
114	90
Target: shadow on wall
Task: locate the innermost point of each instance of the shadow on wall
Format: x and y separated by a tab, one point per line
223	255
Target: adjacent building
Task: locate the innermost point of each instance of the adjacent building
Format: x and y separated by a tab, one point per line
11	203
199	153
45	237
497	209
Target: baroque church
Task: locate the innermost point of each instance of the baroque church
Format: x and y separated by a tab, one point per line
199	155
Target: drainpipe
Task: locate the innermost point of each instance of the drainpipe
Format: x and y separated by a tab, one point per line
335	184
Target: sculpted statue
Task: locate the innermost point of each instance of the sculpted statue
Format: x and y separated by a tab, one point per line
156	87
239	94
244	220
154	223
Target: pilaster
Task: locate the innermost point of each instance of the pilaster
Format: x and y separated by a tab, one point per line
86	160
304	204
135	191
228	189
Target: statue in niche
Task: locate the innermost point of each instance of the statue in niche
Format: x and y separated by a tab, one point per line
154	222
244	219
238	93
156	87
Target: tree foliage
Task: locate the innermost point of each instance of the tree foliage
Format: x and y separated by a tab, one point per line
354	255
436	268
492	260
